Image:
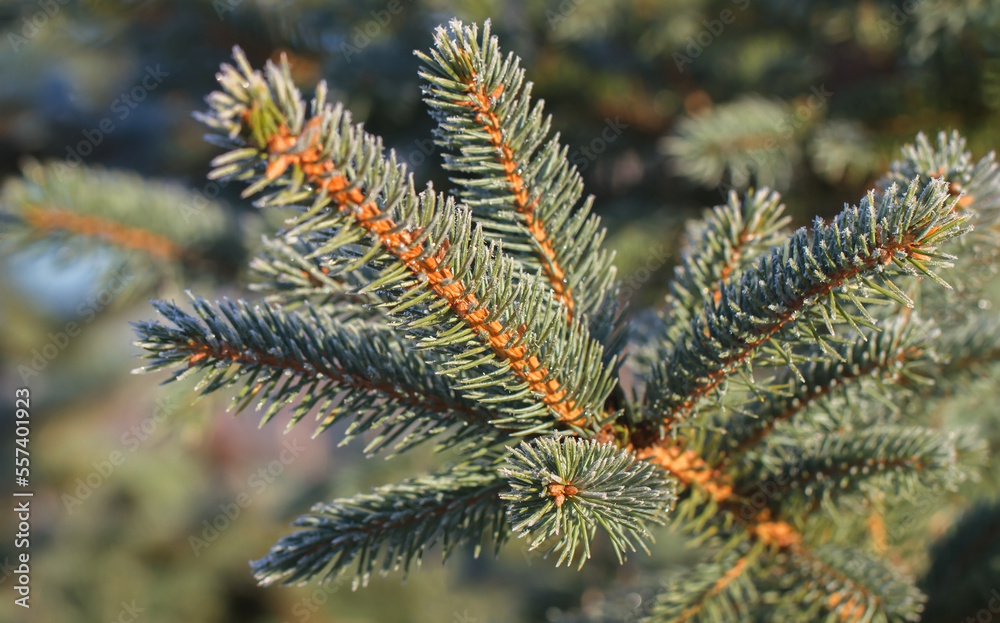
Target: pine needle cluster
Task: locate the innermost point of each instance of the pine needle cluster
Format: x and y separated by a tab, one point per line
779	409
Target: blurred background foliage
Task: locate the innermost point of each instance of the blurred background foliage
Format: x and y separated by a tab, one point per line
666	106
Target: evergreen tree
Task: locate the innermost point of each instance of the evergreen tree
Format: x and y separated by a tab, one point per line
781	398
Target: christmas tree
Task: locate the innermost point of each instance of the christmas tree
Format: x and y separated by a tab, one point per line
776	409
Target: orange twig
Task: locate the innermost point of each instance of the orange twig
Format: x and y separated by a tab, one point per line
726	579
729	267
811	396
402	245
688	468
54	219
482	104
774	533
714	379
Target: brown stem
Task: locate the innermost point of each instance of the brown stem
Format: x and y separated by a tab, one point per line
812	396
483	108
54	219
729	265
403	245
224	352
727	578
765	332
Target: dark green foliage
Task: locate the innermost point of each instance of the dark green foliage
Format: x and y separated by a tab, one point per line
876	459
721	245
721	589
292	272
435	228
850	586
961	580
355	371
819	277
524	192
768	409
391	528
381	339
859	367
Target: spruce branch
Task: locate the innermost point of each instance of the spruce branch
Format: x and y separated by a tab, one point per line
749	138
411	315
292	272
158	222
451	289
566	488
976	186
851	586
391	528
48	221
894	353
716	590
518	183
724	242
882	458
977	183
812	281
355	372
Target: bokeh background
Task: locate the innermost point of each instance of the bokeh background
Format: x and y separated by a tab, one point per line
135	515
